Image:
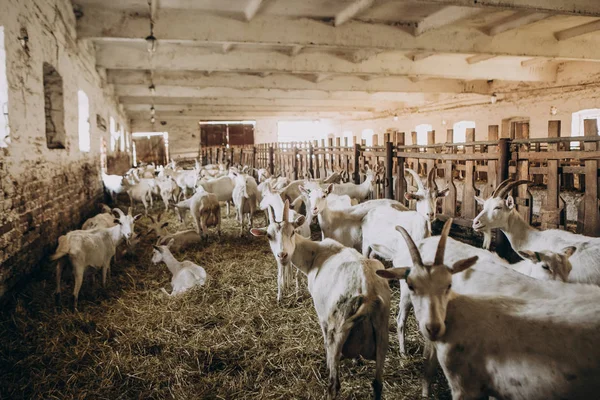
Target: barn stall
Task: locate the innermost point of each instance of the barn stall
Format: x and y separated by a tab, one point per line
467	93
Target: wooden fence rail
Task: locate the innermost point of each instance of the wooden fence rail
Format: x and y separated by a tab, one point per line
468	169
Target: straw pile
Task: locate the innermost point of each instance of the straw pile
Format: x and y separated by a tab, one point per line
226	340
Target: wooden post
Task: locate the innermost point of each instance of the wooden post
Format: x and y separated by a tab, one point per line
389	168
413	137
271	160
430	142
311	169
591	226
400	181
469	206
449	206
295	162
492	170
501	244
357	164
524	199
550	212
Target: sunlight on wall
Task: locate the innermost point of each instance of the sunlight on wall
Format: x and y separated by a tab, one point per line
459	134
84	121
299	131
422	133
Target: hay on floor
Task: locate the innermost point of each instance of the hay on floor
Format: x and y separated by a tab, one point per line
226	340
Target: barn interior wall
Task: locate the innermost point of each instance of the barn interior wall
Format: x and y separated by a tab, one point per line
46	192
537	107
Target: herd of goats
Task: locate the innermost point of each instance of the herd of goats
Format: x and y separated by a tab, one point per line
524	331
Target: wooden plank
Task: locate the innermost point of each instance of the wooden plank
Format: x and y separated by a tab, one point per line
550	212
400	181
591	220
492	165
469	206
525	198
544	155
454	157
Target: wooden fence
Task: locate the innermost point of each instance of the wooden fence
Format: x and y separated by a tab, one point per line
555	163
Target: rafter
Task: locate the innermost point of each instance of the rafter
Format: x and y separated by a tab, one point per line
568	7
445	16
479	58
418	56
360	83
352	10
195	28
579	30
515	21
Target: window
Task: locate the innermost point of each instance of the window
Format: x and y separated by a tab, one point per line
367	136
299	131
134	155
577	123
422	133
84	121
54	108
459	134
127	141
121	139
114	134
4	127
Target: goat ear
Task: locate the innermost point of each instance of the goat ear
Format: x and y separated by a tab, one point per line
443	193
117	221
510	202
461	265
258	232
411	196
329	189
299	221
568	251
164	224
478	200
394	273
156	247
137	217
529	255
170	243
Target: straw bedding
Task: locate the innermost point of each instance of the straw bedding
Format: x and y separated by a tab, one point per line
226	340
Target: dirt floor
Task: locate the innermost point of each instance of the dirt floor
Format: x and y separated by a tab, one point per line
226	340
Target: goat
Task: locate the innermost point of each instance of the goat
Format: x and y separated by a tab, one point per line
182	240
185	273
102	220
91	248
113	184
245	195
499	213
169	190
548	266
360	192
426	195
139	191
490	345
351	302
343	225
222	187
205	210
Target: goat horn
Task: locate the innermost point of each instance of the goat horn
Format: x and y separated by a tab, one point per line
441	248
119	212
158	218
416	177
129	211
152	219
500	186
286	211
431	179
271	214
509	186
412	247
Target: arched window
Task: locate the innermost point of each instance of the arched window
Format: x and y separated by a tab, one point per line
459	134
422	133
84	121
367	136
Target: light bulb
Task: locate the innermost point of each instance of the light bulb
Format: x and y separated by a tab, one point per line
152	111
152	89
152	120
395	117
494	98
151	43
553	110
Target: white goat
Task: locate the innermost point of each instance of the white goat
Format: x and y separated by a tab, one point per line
91	248
103	220
245	196
113	184
426	195
490	346
351	302
222	187
139	191
169	190
343	225
205	210
360	192
499	213
550	266
185	273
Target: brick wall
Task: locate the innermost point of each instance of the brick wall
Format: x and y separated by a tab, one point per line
45	192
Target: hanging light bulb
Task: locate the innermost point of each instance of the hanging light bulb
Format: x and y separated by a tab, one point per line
553	110
396	117
152	111
152	89
152	120
494	98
